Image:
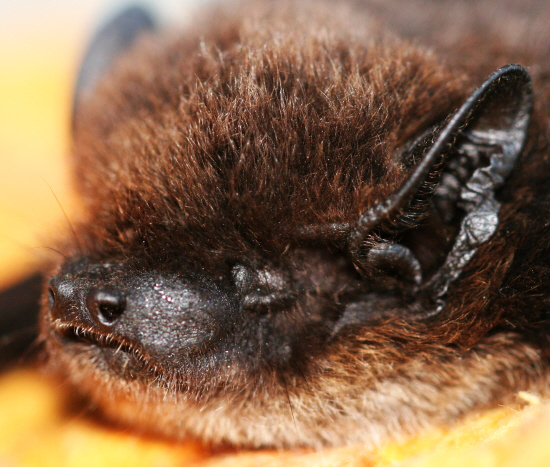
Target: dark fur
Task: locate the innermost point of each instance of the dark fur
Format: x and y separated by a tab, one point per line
219	145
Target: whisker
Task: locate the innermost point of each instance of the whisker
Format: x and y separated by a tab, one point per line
290	404
73	231
23	246
50	248
299	370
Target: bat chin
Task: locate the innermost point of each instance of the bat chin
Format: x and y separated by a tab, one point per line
336	406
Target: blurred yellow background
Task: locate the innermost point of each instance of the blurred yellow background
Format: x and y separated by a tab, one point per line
41	43
37	62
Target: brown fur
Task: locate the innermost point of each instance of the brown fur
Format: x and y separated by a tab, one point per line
225	141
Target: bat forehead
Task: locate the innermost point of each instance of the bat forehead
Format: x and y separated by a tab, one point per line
262	134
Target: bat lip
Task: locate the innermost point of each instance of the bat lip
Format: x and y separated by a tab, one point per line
78	336
81	334
112	355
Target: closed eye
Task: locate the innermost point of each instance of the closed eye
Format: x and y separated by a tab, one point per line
263	290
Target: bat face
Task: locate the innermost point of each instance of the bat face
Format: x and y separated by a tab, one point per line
294	235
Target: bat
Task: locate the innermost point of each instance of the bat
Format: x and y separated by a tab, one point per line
307	223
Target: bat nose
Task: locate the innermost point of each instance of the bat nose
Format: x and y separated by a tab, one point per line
169	317
106	306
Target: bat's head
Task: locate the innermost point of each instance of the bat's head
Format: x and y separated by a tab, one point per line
281	222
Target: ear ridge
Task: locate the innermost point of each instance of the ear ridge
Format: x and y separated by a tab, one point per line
501	117
114	38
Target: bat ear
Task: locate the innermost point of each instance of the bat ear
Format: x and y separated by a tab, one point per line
117	36
490	126
490	131
481	143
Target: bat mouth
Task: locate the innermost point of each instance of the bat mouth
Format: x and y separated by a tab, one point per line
80	335
113	347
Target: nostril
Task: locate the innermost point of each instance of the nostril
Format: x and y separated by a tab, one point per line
51	298
106	306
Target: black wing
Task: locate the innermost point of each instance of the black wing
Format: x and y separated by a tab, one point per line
19	308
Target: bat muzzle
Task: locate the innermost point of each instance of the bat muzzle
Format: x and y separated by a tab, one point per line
166	320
